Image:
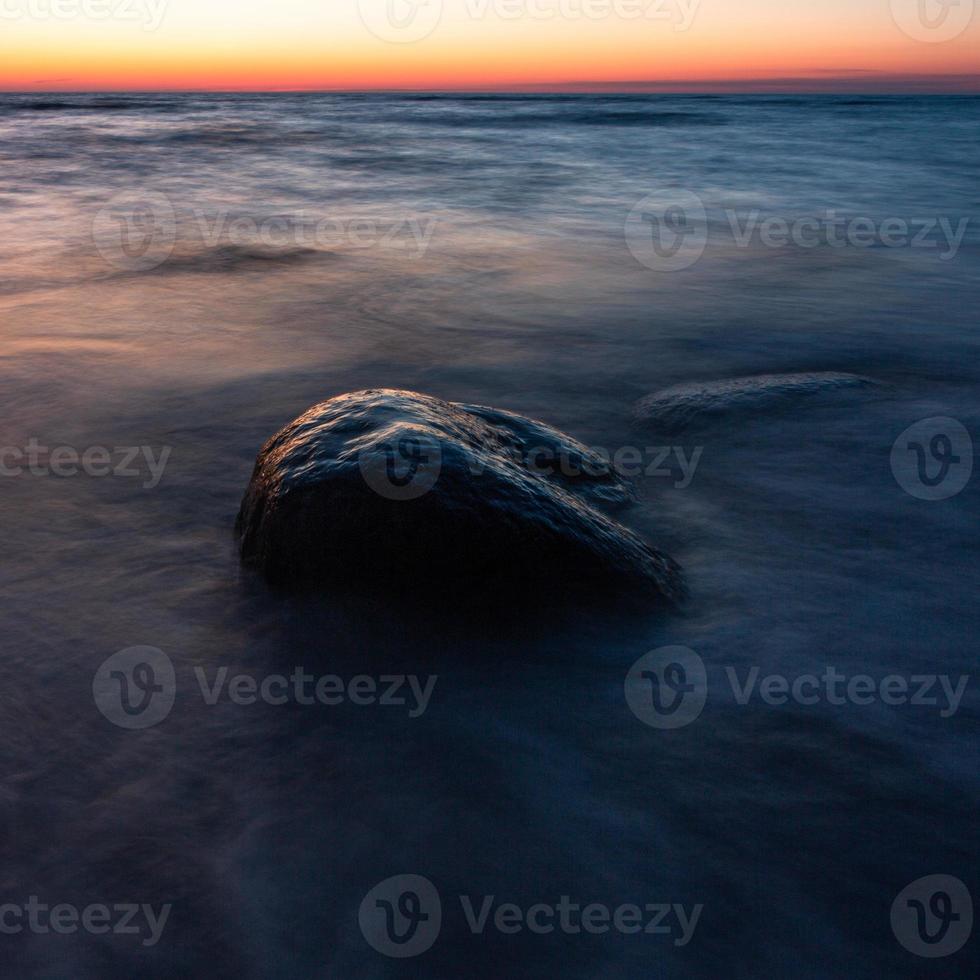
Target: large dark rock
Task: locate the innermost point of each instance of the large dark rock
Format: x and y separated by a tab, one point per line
398	489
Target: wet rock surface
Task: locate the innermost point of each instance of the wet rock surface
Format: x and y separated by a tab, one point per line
701	402
402	490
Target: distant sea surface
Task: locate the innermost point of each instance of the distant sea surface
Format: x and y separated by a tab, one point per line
190	272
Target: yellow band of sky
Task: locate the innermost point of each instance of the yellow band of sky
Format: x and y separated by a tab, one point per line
361	44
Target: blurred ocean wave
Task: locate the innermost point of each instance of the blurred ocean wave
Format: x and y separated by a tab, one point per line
193	271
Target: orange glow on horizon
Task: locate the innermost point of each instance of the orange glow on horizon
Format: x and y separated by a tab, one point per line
752	41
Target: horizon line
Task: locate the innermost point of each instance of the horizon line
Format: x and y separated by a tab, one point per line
857	83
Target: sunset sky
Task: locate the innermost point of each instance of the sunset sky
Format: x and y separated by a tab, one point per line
447	44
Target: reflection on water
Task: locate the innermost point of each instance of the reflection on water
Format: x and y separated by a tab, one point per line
473	248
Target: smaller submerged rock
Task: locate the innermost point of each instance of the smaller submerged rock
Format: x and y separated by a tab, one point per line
697	402
407	491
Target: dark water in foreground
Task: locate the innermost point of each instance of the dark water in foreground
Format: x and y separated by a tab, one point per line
285	249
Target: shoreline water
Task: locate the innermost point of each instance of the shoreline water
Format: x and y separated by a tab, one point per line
528	776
